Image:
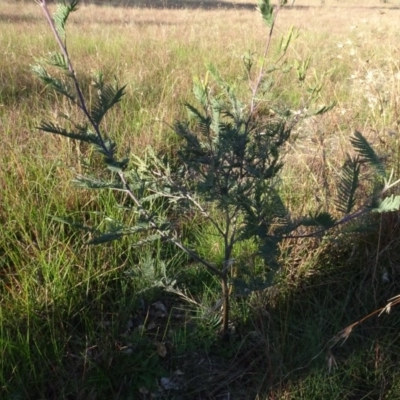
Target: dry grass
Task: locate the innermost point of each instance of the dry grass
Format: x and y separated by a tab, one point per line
157	50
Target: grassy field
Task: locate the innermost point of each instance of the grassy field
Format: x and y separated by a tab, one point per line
81	322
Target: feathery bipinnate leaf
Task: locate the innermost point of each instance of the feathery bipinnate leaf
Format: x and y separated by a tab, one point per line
61	15
325	108
111	236
87	136
322	219
56	84
213	71
346	197
391	203
285	41
106	237
267	12
203	121
200	92
367	153
108	148
70	222
116	165
87	182
58	60
108	96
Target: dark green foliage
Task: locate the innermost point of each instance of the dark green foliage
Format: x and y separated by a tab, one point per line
84	135
54	83
322	220
267	11
107	97
62	14
227	169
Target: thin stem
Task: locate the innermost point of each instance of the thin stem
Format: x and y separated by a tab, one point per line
226	305
128	190
342	221
163	235
64	51
261	73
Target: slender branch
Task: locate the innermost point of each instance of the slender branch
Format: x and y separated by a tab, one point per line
261	73
63	48
205	213
342	221
163	235
128	190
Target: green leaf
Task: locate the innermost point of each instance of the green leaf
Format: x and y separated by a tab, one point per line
116	166
93	183
58	60
285	41
147	239
61	16
56	84
325	108
195	113
200	92
108	96
367	153
322	219
69	221
267	12
106	237
391	203
108	148
212	69
83	137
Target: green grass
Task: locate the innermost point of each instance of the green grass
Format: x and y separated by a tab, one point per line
81	322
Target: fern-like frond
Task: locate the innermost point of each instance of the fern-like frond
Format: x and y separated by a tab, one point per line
94	183
108	96
106	238
83	137
325	108
322	219
367	153
148	239
56	84
193	112
212	69
285	41
61	15
346	197
200	93
70	222
58	60
108	148
391	203
152	197
117	231
193	145
267	11
116	165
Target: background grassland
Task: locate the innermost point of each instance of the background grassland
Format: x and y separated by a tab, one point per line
82	322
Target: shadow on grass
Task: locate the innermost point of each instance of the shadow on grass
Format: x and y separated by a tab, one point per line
279	349
341	286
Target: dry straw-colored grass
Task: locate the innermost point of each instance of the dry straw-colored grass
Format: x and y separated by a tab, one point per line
354	49
156	51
